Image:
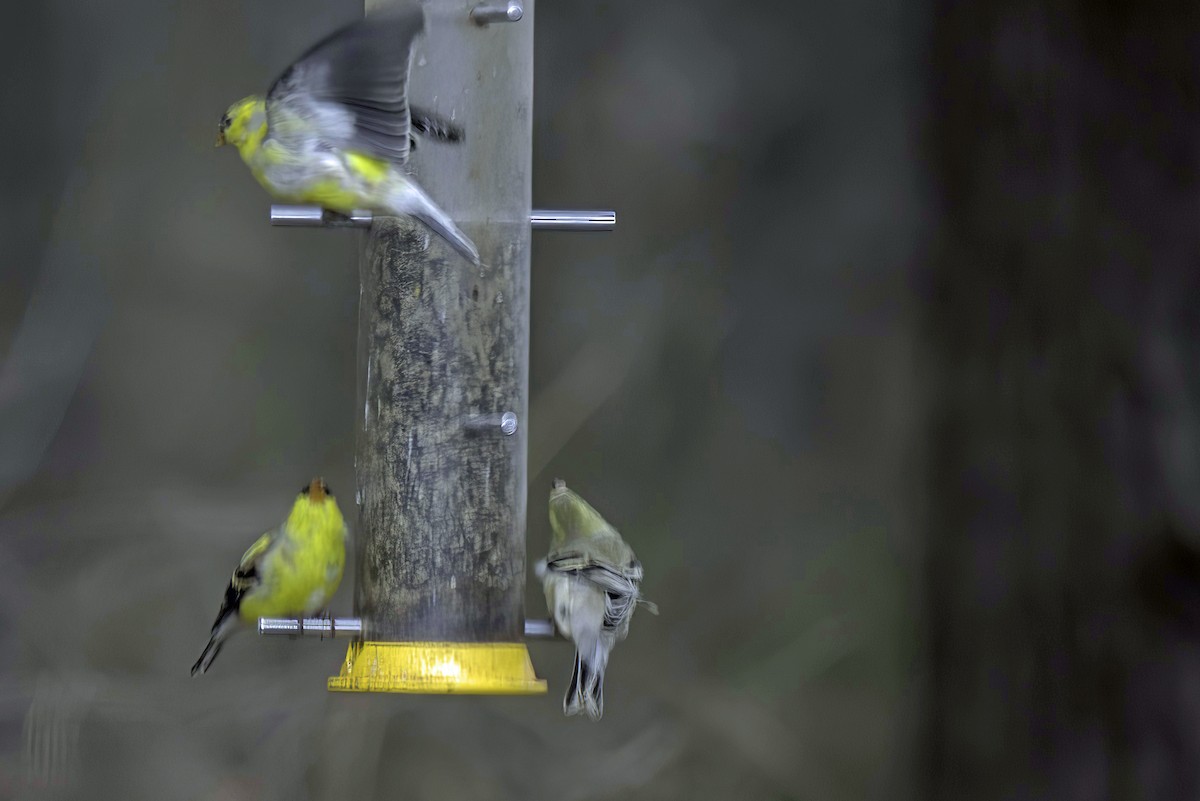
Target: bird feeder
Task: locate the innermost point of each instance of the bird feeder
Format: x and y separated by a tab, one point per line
443	363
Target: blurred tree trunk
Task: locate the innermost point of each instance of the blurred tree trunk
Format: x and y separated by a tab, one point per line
1064	509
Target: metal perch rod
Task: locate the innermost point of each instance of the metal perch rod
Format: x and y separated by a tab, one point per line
539	219
484	13
311	626
536	629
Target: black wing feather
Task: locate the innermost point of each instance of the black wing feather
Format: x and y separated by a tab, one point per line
429	124
363	68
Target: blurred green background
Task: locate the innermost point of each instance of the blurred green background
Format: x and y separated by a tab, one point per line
728	377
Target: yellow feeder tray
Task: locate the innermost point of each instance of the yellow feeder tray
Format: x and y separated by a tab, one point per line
488	668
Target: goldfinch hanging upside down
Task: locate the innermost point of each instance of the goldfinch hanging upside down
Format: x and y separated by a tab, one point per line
335	129
291	571
591	579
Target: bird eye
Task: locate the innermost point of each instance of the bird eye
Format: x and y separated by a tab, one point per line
325	487
304	490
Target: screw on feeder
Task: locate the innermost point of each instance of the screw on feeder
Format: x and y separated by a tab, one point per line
505	423
508	424
539	219
485	13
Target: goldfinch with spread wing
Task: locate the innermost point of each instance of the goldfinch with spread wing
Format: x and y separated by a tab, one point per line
591	579
335	128
291	571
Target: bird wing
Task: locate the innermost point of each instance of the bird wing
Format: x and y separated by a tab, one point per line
426	122
619	584
351	88
582	561
245	577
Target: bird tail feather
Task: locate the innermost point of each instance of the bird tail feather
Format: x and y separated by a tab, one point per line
220	633
415	203
585	693
207	656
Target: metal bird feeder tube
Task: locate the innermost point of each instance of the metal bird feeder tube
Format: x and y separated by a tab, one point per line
443	353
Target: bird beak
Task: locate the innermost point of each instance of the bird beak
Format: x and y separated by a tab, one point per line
316	490
220	138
